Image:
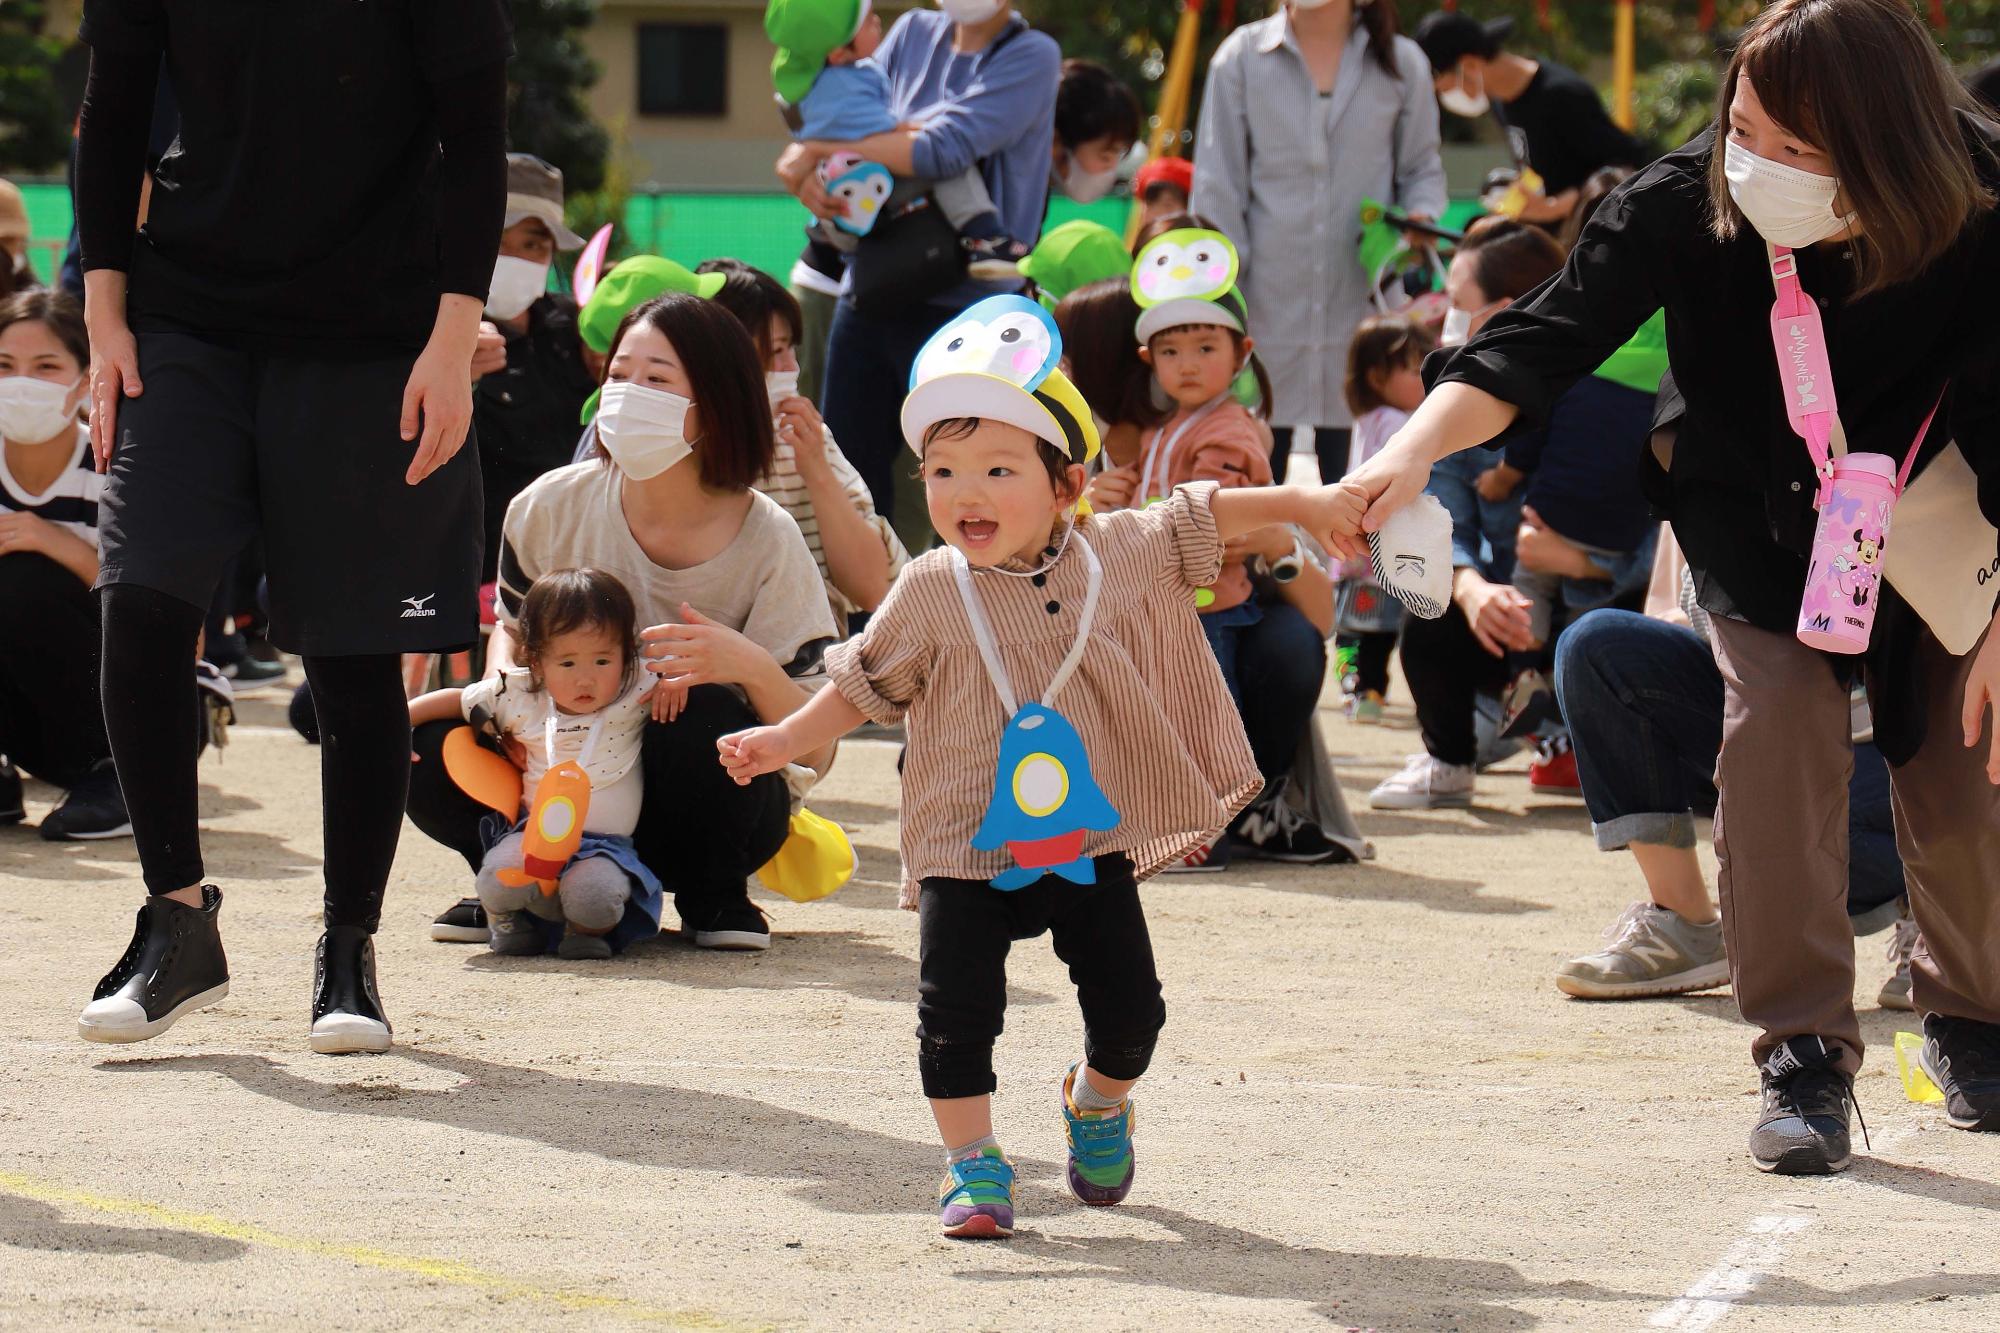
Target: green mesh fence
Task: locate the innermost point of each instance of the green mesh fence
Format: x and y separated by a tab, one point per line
763	230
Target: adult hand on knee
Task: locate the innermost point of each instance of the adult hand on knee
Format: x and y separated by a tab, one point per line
1982	690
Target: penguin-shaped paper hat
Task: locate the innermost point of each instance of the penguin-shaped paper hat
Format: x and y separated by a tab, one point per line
999	359
1187	276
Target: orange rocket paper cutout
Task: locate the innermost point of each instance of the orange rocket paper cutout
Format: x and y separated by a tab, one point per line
554	829
486	777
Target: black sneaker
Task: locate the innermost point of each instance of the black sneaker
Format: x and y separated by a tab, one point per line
251	673
738	926
173	966
93	810
464	923
993	258
347	1009
12	808
1962	1056
1802	1129
1528	705
1271	830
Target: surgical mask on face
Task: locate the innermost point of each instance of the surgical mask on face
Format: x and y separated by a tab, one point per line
1313	4
516	285
970	11
1462	103
1787	206
780	385
1458	325
33	410
643	429
1087	187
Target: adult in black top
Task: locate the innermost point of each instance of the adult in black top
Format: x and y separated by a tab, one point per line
1906	265
1553	118
284	349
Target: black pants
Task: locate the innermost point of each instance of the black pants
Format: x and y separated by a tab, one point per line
1330	445
51	722
1445	666
152	718
868	360
1372	652
703	835
966	927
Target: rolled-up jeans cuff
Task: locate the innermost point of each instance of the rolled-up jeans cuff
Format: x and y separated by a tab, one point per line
1657	830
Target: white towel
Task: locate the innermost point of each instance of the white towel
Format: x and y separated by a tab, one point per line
1412	556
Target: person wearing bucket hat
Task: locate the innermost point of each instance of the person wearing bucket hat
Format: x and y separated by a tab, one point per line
1555	122
1069	733
528	371
832	91
1074	255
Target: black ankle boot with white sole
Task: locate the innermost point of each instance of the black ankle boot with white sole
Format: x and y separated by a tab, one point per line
173	966
347	1009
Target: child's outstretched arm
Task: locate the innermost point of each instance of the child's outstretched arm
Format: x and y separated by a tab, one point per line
826	717
1332	514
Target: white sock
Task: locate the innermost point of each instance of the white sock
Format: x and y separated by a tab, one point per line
972	1149
1086	1096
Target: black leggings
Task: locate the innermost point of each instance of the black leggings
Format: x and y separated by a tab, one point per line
965	928
1445	667
150	714
1330	444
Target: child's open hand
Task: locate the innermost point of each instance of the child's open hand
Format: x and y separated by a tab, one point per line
753	753
1333	516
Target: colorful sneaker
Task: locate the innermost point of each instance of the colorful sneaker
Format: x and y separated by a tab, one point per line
1895	993
976	1200
1211	855
1100	1148
1365	708
1648	951
1554	771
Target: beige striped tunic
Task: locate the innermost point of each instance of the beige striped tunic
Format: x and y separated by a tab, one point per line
1164	739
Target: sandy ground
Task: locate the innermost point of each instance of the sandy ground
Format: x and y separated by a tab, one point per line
1370	1109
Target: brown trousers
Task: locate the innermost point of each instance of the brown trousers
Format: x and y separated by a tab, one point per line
1781	836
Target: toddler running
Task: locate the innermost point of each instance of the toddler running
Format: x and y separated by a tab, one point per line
1069	733
832	91
573	716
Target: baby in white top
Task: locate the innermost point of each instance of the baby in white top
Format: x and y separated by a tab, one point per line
578	705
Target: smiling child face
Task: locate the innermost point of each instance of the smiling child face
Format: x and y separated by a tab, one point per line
989	494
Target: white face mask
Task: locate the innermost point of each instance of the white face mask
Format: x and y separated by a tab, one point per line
643	429
1458	325
1787	206
780	385
1462	103
1313	4
971	11
1087	187
516	285
33	410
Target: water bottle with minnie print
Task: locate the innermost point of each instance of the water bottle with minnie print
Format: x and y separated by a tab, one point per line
1844	578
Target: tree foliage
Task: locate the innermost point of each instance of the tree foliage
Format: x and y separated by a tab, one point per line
547	80
34	114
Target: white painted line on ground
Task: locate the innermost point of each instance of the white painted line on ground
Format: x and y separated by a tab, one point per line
1754	1257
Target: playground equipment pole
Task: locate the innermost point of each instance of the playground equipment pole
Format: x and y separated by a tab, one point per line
1623	56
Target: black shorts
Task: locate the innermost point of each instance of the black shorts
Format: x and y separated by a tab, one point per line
228	442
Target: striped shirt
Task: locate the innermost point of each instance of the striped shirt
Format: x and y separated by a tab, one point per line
784	484
1164	739
70	502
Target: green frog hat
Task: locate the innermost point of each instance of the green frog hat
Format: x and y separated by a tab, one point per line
999	359
1187	276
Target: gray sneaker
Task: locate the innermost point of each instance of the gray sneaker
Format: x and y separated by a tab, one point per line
515	933
1896	990
1649	951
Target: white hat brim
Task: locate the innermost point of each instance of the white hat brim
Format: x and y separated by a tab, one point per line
1184	310
971	394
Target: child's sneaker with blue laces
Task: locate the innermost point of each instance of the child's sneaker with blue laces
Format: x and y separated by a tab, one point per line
977	1197
1100	1148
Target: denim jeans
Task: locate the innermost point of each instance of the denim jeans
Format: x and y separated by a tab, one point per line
1482	531
1644	703
1274	662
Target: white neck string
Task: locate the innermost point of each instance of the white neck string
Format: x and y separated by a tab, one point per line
989	648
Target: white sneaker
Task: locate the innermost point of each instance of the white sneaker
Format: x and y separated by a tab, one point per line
1649	951
1424	784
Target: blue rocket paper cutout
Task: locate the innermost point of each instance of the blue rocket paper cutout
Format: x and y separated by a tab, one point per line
1044	799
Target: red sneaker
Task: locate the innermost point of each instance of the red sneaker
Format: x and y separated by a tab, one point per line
1554	770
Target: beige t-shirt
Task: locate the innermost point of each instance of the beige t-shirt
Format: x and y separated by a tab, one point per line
765	585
